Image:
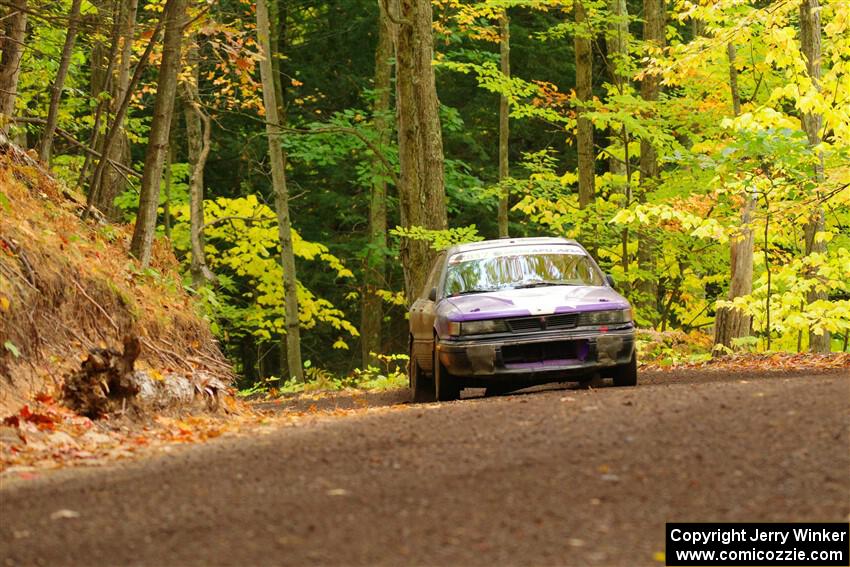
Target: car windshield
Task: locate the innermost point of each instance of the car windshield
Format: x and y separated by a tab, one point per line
515	267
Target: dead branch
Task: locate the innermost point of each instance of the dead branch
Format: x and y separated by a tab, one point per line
96	304
119	167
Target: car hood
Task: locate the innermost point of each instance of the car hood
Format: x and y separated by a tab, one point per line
532	301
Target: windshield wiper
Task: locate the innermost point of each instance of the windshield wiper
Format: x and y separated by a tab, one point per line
476	290
541	283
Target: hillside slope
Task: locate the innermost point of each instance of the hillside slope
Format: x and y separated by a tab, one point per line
67	286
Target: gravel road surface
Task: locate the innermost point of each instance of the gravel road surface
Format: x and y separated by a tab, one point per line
553	477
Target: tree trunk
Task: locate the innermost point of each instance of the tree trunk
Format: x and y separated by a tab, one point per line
731	323
810	40
97	196
617	43
112	183
198	137
277	39
277	43
163	111
371	313
731	53
56	91
584	93
166	202
653	34
277	159
12	44
100	83
504	132
422	196
101	53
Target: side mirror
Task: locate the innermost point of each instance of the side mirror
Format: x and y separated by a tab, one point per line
610	279
432	295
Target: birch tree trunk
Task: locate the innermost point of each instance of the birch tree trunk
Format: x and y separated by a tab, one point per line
731	324
504	126
278	164
810	39
422	196
163	111
371	312
58	84
584	92
12	44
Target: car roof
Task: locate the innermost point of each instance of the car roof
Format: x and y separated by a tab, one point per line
507	242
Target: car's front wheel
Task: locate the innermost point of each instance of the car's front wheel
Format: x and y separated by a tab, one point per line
421	387
447	386
626	374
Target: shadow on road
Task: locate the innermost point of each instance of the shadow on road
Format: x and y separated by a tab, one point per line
347	400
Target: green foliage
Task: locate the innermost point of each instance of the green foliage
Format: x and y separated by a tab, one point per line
391	373
439	239
242	248
178	194
672	347
12	348
711	161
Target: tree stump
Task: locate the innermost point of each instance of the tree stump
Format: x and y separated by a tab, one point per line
104	382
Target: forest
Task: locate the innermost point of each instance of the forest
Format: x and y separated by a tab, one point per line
305	160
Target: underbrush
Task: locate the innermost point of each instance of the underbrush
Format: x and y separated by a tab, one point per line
391	373
672	348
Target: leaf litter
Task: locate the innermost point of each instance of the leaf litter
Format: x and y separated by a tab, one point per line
763	362
44	435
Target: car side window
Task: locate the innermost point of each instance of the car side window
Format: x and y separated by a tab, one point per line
434	277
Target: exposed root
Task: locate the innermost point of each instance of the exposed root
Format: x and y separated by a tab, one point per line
104	382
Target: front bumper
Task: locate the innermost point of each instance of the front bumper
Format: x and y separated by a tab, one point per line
544	355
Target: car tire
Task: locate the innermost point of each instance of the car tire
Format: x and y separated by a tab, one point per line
421	387
446	386
626	374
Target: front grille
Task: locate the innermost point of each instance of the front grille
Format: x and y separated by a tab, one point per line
544	352
566	321
527	324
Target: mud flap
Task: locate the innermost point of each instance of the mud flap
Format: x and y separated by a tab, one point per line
608	349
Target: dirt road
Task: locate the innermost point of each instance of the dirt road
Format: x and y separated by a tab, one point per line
558	477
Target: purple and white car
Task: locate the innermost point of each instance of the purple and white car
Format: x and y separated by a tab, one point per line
511	313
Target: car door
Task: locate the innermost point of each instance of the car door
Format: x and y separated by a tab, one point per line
422	316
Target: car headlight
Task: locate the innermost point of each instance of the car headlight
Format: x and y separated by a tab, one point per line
611	317
483	327
477	327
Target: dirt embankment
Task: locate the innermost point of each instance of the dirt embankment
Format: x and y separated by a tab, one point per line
70	292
